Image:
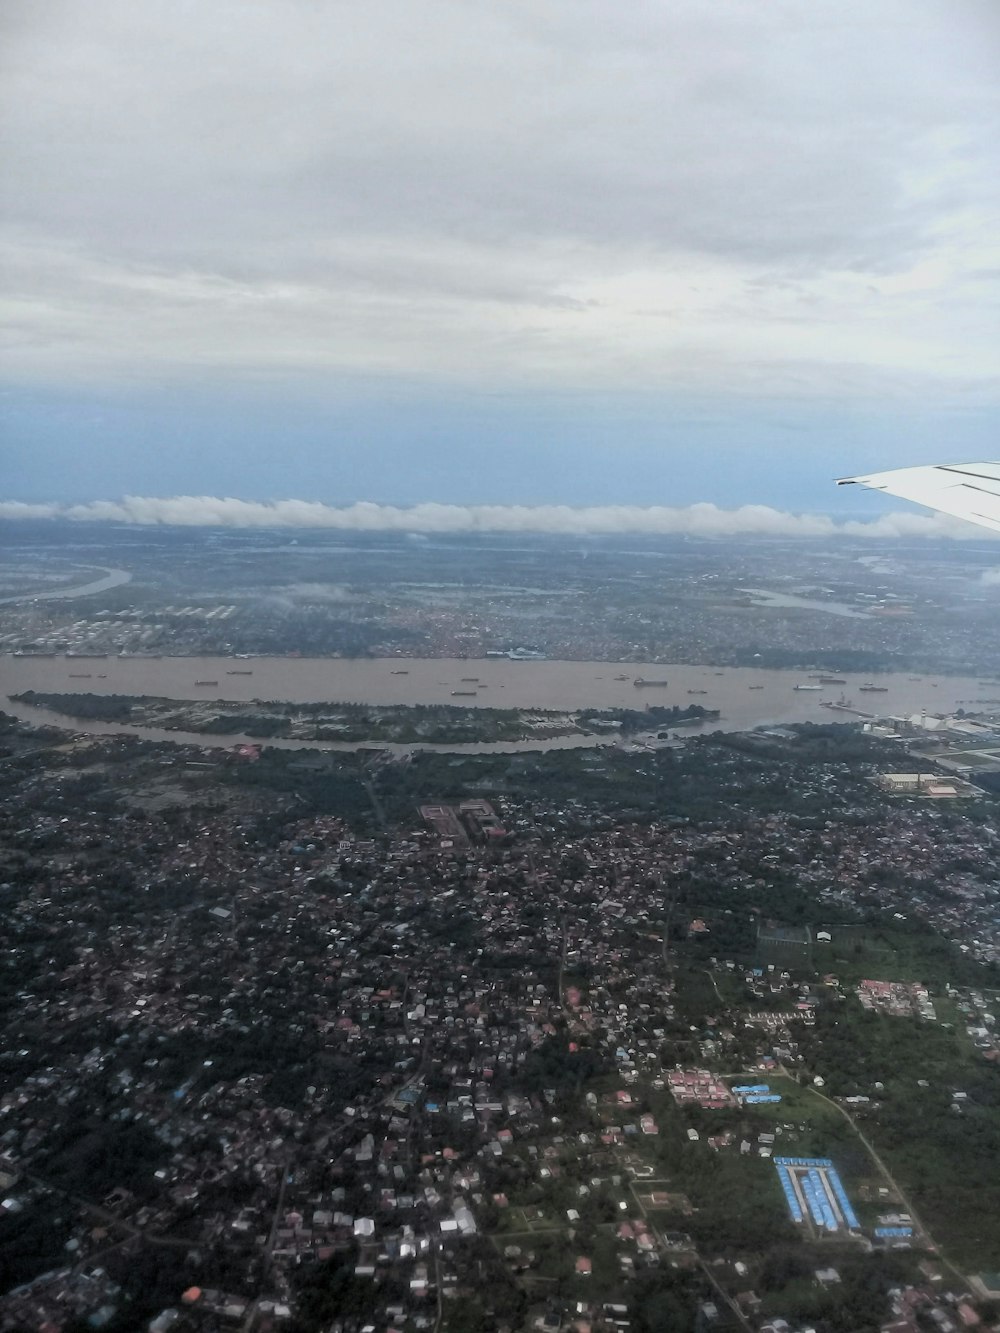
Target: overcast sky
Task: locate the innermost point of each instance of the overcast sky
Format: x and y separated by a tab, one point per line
561	251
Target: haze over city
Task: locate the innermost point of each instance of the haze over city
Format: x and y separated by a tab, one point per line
576	254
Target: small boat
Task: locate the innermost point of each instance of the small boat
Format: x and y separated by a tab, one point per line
697	691
755	687
399	673
621	677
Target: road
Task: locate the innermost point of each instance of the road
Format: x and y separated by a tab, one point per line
893	1182
109	1218
720	1291
251	1315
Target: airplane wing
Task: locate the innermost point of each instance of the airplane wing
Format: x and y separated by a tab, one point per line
967	490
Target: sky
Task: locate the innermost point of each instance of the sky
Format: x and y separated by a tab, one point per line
517	252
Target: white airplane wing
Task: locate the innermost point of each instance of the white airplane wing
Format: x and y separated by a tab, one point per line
967	490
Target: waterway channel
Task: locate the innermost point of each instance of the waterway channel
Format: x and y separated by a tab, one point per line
746	697
110	578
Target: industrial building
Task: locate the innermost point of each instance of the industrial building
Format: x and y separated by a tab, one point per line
815	1196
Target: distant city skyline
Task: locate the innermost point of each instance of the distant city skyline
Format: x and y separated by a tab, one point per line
514	253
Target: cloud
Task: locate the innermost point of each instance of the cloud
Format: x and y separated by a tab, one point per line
699	520
17	509
777	198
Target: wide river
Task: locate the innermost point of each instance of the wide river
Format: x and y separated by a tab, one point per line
746	697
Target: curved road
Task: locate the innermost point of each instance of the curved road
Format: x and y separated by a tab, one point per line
879	1162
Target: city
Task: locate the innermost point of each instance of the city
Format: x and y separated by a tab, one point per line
487	1064
500	666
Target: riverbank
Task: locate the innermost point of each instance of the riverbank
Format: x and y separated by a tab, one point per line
745	697
111	578
47	717
416	724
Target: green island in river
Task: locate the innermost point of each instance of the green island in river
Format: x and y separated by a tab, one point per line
398	723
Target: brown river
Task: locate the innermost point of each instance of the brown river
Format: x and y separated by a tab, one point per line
746	697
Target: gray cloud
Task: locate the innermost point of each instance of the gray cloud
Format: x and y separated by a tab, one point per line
646	194
699	520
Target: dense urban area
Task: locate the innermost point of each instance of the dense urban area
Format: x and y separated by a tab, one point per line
859	604
678	1030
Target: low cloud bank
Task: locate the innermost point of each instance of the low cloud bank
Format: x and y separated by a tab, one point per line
699	520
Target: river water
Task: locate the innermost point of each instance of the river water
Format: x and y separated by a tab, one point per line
111	578
746	697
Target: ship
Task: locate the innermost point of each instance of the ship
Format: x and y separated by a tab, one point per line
399	673
831	680
463	694
470	680
206	682
807	687
79	675
239	673
873	689
621	677
697	691
755	687
639	682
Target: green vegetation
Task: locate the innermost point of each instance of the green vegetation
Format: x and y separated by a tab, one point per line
945	1158
400	724
430	724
